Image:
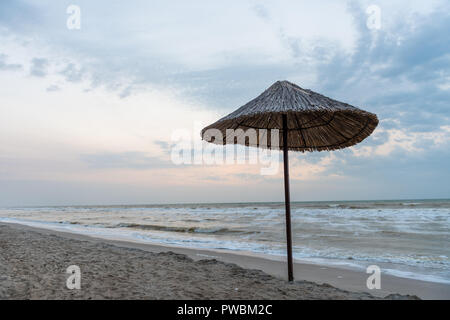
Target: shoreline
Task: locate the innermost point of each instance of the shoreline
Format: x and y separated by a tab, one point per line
388	268
341	278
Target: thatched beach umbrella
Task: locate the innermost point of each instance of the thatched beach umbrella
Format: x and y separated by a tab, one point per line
308	121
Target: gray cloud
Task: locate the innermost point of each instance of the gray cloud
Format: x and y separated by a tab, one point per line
71	73
53	88
39	67
261	11
127	91
165	146
396	76
133	65
8	66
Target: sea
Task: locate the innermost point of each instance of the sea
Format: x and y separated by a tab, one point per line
405	238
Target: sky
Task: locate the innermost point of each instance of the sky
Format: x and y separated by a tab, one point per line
92	94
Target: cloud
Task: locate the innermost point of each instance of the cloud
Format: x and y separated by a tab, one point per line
72	73
165	146
201	56
410	142
39	67
249	177
4	66
401	67
261	11
125	160
398	71
53	88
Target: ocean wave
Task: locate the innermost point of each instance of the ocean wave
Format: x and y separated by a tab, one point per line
152	227
348	206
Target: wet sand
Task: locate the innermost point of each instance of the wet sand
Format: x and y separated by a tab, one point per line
33	265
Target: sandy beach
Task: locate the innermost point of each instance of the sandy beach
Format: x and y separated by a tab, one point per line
33	266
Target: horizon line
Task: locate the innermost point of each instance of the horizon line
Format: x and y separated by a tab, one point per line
211	203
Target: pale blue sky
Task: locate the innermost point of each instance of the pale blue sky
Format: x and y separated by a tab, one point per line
86	116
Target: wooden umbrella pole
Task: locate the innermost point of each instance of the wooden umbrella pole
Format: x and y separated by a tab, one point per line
287	199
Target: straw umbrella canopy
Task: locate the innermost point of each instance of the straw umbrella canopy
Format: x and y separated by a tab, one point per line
308	121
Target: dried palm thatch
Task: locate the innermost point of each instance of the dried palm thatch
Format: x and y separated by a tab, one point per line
308	121
314	122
